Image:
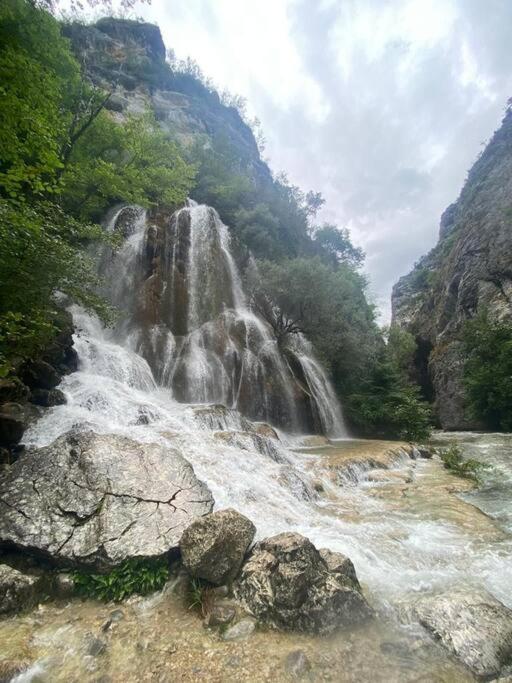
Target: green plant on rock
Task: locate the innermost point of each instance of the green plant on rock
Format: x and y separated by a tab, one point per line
140	576
200	596
454	461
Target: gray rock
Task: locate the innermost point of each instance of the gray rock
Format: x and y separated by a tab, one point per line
424	452
11	668
96	500
48	398
214	546
18	591
286	583
342	566
96	647
241	630
11	429
41	375
220	615
63	585
475	627
296	664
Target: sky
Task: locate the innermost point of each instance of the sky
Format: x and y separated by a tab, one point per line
381	105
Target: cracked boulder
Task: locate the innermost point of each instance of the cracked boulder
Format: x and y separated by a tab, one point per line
288	584
214	546
473	626
95	500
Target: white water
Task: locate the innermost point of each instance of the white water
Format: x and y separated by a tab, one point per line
396	550
402	541
185	311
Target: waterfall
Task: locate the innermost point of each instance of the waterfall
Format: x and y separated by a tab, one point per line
129	382
185	313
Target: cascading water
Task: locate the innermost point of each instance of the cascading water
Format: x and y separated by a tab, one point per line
185	312
402	526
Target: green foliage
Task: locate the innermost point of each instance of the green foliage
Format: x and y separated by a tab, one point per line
325	303
132	576
454	461
268	215
328	304
388	406
63	161
200	596
488	371
133	162
37	73
336	241
40	254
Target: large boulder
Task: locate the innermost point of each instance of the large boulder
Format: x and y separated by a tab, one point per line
95	500
287	584
475	627
213	547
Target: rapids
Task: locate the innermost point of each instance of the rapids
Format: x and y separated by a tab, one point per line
408	525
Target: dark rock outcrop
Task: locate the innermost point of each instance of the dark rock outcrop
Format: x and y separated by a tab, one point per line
213	547
48	398
475	627
94	500
469	271
34	384
286	583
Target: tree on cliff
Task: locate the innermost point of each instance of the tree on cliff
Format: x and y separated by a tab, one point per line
488	371
63	160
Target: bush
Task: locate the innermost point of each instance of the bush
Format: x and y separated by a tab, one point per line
453	460
488	371
132	576
388	406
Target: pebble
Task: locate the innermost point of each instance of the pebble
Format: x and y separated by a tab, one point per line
297	664
241	630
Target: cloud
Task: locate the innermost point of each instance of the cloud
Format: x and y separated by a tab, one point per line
382	105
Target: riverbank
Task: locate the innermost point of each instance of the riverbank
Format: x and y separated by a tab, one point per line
406	523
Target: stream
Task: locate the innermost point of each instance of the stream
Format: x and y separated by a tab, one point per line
409	526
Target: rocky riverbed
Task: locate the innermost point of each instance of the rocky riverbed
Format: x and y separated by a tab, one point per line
428	618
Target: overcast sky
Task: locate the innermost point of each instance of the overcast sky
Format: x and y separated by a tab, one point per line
382	105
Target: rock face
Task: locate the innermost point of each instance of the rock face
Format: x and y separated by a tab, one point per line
94	500
34	385
17	590
213	547
286	583
476	628
468	271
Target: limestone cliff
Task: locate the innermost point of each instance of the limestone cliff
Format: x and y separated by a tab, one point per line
469	270
128	58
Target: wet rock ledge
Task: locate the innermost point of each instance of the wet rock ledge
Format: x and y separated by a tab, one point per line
33	387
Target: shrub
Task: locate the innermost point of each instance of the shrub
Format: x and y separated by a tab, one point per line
453	460
132	576
488	371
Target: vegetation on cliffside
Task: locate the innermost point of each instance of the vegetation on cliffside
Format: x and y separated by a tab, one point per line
63	161
488	371
70	151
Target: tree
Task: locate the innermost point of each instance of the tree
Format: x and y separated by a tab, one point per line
488	370
132	162
63	160
336	241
